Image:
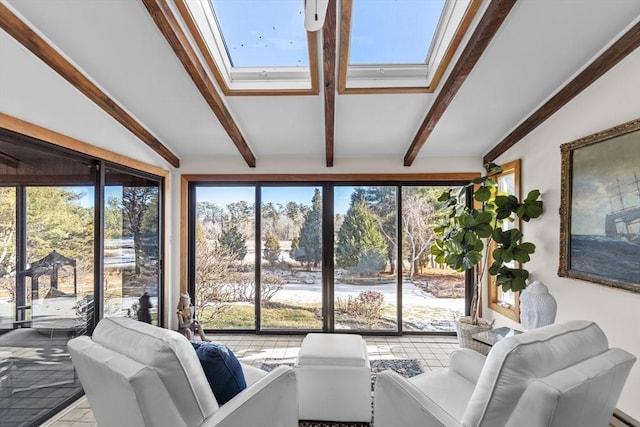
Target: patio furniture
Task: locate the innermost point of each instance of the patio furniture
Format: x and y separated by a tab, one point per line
558	375
334	378
134	373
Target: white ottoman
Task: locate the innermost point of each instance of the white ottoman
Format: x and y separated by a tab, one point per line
334	378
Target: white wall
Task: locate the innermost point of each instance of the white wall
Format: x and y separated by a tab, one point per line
612	100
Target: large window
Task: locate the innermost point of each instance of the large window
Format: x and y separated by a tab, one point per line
59	255
225	251
131	245
319	256
80	239
365	252
291	258
8	258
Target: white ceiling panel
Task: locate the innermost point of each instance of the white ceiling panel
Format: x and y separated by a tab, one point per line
378	125
31	91
286	126
541	46
118	45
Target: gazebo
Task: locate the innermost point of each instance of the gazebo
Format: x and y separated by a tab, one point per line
49	265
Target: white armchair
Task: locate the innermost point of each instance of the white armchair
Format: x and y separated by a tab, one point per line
557	376
137	374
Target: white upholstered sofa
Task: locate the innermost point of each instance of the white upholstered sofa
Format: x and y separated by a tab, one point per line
136	374
561	375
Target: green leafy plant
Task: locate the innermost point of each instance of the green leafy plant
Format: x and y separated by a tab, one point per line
466	237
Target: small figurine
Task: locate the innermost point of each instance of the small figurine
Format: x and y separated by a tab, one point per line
144	304
187	324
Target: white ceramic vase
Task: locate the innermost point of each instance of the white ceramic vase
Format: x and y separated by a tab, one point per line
537	306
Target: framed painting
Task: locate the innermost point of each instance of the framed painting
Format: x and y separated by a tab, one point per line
600	208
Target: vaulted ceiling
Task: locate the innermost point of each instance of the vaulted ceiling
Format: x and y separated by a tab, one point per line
138	60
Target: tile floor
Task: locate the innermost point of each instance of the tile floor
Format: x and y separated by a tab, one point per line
38	375
431	351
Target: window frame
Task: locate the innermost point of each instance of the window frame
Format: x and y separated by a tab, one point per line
202	26
405	78
187	203
495	303
28	133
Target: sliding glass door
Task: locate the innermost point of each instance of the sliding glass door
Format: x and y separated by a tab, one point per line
291	251
80	238
8	256
131	267
59	254
224	241
320	256
365	252
432	295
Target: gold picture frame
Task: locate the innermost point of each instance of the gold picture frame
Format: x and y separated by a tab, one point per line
600	208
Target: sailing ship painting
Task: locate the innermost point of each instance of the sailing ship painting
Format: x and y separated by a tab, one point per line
623	222
616	254
605	210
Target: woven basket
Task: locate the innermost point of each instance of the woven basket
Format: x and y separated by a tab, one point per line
465	330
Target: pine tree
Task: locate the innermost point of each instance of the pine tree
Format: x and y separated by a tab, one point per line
235	241
382	203
360	244
310	250
271	250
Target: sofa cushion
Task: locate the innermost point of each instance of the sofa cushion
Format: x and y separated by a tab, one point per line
170	354
222	369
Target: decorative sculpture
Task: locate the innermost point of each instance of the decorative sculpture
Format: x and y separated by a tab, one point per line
187	323
537	306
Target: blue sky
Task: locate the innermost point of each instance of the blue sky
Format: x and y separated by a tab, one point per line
222	196
88	194
261	33
392	31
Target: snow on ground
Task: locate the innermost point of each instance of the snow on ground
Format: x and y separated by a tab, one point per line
411	294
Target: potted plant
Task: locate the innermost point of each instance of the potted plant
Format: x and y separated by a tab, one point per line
465	239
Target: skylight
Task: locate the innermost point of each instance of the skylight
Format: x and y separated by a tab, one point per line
401	45
263	33
392	31
255	46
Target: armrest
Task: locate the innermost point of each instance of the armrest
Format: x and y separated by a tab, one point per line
398	402
270	401
467	363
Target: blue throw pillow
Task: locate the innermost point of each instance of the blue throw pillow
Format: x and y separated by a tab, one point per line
222	369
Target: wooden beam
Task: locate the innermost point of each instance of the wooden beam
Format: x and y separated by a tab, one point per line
20	31
626	44
491	21
346	11
329	59
177	39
